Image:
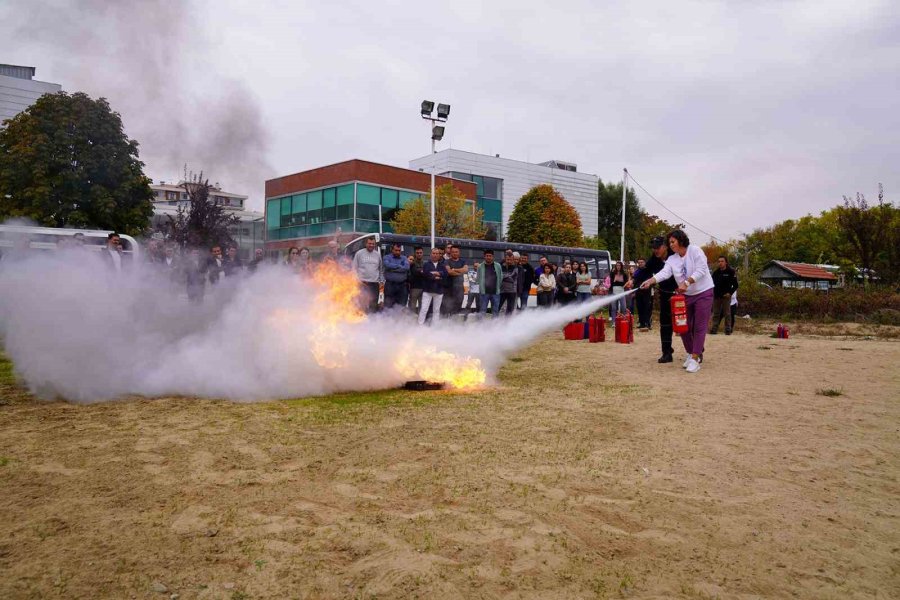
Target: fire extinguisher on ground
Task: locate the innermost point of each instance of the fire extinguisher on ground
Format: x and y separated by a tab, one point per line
679	314
624	328
597	329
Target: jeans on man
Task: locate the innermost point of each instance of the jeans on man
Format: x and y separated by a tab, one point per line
483	300
722	308
415	300
523	298
369	298
474	298
619	305
508	298
395	293
453	300
429	299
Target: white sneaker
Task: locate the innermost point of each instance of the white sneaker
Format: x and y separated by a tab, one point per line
687	361
693	366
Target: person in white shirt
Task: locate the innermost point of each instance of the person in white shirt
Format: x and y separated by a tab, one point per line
369	270
733	307
112	254
689	267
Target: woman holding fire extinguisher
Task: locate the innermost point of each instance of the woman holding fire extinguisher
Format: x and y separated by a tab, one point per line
691	271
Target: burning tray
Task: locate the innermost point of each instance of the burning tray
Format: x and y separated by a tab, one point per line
422	386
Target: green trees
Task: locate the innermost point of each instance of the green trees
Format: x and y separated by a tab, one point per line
205	223
640	226
66	161
855	236
542	216
453	218
873	233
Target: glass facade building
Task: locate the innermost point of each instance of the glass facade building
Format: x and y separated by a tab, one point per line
490	198
350	207
348	196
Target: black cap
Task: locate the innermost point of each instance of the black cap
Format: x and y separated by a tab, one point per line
657	241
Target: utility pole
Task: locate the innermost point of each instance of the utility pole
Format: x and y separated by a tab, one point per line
624	204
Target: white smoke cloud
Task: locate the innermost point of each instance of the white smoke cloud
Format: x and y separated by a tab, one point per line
78	331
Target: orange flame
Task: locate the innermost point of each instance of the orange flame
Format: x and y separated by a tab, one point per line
440	366
336	305
337	302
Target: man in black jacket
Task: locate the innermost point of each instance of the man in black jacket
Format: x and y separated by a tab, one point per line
643	298
725	282
416	279
526	275
655	263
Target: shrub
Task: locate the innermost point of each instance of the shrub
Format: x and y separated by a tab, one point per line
876	305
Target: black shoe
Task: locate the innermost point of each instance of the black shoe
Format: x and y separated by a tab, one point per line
665	358
727	332
713	332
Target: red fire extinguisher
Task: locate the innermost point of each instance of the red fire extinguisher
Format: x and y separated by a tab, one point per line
679	314
597	329
630	327
623	329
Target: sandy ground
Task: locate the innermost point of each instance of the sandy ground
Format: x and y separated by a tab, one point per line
592	472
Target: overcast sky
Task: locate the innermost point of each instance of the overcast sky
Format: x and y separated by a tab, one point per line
734	114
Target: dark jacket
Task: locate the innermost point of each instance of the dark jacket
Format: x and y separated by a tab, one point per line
565	280
654	266
212	270
232	267
528	277
725	282
509	284
640	276
108	260
416	277
430	283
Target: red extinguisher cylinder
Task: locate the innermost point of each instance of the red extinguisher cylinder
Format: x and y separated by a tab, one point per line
679	314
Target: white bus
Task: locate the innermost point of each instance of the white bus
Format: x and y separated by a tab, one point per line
23	238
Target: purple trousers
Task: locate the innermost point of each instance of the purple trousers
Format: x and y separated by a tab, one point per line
699	308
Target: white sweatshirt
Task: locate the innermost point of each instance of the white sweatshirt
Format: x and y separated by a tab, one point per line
693	264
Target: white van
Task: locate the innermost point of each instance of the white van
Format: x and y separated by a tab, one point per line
22	238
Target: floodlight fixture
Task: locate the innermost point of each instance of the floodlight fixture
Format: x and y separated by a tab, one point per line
443	111
437	133
427	107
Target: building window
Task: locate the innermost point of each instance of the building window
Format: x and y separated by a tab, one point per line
171	195
407	197
368	198
328	205
298	209
314	207
273	213
345	204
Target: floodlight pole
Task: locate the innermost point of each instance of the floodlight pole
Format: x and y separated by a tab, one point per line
624	194
433	120
433	167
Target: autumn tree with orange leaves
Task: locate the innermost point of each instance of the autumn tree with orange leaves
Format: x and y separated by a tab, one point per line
543	216
453	216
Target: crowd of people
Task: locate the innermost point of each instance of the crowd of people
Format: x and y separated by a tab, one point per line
435	287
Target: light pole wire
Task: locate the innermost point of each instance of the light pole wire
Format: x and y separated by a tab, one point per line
682	219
